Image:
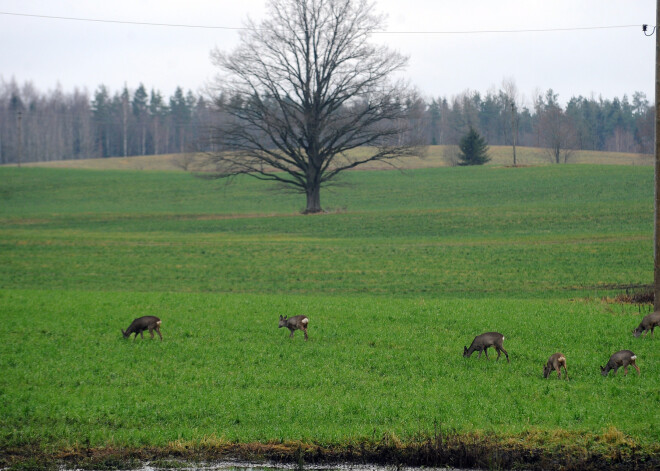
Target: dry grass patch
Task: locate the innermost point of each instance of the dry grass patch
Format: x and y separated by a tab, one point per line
435	156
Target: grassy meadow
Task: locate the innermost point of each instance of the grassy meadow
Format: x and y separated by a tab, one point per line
402	272
435	156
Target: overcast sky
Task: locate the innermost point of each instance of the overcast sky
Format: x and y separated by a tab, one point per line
449	52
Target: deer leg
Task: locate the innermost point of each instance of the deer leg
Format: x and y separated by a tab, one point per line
151	331
305	331
485	350
637	368
566	371
291	334
558	371
505	353
159	334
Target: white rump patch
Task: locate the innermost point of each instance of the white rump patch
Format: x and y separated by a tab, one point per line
305	321
634	357
158	323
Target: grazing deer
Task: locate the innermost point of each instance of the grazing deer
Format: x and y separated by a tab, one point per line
483	341
139	325
619	359
649	322
555	362
295	323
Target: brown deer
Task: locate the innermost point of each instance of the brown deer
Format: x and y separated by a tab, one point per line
555	362
294	323
649	322
619	359
483	341
139	325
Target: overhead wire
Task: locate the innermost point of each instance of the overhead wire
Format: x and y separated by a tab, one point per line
244	28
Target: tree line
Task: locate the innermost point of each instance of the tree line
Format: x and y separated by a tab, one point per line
58	125
616	125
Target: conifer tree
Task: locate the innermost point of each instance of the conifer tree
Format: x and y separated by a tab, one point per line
473	149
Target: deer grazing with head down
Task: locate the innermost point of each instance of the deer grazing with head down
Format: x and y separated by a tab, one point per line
295	323
483	341
555	363
621	358
139	325
649	322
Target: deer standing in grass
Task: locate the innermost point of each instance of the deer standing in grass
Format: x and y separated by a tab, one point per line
649	322
295	323
483	341
555	362
619	359
139	325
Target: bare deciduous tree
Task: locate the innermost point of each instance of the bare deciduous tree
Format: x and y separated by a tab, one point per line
558	134
305	88
450	155
511	101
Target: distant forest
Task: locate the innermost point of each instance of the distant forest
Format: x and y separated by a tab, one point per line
59	125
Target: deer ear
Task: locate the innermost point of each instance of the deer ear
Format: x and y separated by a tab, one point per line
281	317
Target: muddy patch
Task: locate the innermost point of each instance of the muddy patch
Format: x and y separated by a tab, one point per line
174	465
534	451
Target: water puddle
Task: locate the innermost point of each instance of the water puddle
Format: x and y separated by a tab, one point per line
173	465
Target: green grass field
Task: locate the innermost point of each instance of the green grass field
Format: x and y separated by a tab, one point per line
401	273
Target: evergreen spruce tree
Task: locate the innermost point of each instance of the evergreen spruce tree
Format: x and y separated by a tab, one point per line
473	149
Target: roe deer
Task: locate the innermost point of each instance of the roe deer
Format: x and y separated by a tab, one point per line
649	322
619	359
139	325
295	323
483	341
555	362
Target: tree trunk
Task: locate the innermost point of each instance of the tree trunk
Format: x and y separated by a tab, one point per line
313	200
156	136
143	147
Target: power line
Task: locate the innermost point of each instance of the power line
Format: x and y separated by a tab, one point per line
235	28
511	31
136	23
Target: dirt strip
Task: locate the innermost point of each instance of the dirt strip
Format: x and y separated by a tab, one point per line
457	451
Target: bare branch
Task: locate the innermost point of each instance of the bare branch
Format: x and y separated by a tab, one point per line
303	89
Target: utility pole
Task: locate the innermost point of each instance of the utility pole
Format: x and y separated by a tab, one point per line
656	235
19	118
514	129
